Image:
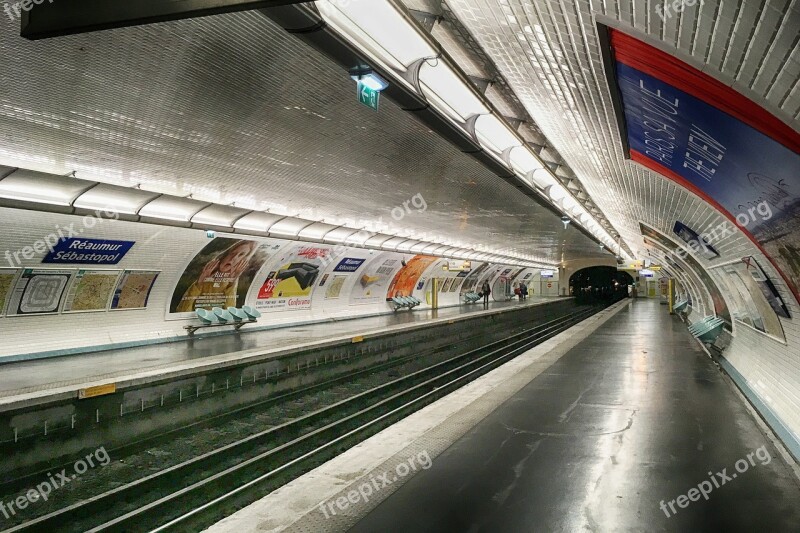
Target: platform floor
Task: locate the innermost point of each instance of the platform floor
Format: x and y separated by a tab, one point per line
22	378
634	415
588	431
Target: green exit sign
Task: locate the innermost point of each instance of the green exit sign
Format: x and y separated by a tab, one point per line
368	97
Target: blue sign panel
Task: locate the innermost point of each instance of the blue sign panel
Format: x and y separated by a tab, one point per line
349	264
88	251
753	177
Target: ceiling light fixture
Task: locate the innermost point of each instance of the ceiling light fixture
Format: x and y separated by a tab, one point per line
369	79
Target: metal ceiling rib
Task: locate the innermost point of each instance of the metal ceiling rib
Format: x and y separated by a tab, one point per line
549	53
234	111
464	48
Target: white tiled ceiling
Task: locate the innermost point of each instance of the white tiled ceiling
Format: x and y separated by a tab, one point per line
549	52
232	108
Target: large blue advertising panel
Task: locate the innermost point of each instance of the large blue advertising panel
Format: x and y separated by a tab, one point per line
728	160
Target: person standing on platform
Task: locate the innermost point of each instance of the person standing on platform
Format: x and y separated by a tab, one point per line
523	289
485	292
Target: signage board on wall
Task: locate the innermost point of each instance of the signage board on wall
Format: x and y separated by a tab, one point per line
713	141
39	291
133	289
88	251
547	273
349	264
90	290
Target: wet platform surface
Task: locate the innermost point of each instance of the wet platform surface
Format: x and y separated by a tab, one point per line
26	377
633	416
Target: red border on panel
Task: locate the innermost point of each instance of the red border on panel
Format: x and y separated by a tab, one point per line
645	161
669	69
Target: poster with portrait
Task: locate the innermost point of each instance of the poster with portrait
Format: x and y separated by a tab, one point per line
220	274
292	277
406	279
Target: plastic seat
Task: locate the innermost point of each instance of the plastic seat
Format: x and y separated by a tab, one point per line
206	317
223	315
238	314
250	312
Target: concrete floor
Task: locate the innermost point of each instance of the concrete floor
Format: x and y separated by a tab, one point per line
633	415
25	377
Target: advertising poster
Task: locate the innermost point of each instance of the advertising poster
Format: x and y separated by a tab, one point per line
220	274
406	279
446	283
692	129
7	276
694	242
456	284
91	290
766	287
38	292
667	245
133	289
471	281
290	284
373	283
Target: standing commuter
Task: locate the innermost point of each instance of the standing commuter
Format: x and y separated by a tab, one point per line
523	289
486	290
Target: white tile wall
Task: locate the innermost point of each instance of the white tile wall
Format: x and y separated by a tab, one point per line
168	249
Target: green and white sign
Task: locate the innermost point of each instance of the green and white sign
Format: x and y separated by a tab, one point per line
368	97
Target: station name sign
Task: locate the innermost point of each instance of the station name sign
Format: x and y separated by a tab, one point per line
88	251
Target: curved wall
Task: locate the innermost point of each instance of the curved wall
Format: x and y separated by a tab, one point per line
290	282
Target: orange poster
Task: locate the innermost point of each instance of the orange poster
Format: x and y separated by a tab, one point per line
405	280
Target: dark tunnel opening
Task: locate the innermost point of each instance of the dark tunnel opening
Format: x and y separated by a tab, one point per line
599	284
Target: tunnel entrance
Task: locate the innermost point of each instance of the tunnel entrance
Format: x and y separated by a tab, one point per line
599	284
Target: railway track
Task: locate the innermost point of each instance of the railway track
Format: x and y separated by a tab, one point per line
194	493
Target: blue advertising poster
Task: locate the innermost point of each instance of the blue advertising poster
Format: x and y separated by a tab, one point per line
748	174
349	264
88	251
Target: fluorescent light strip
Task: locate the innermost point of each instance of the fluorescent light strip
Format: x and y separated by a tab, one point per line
379	28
